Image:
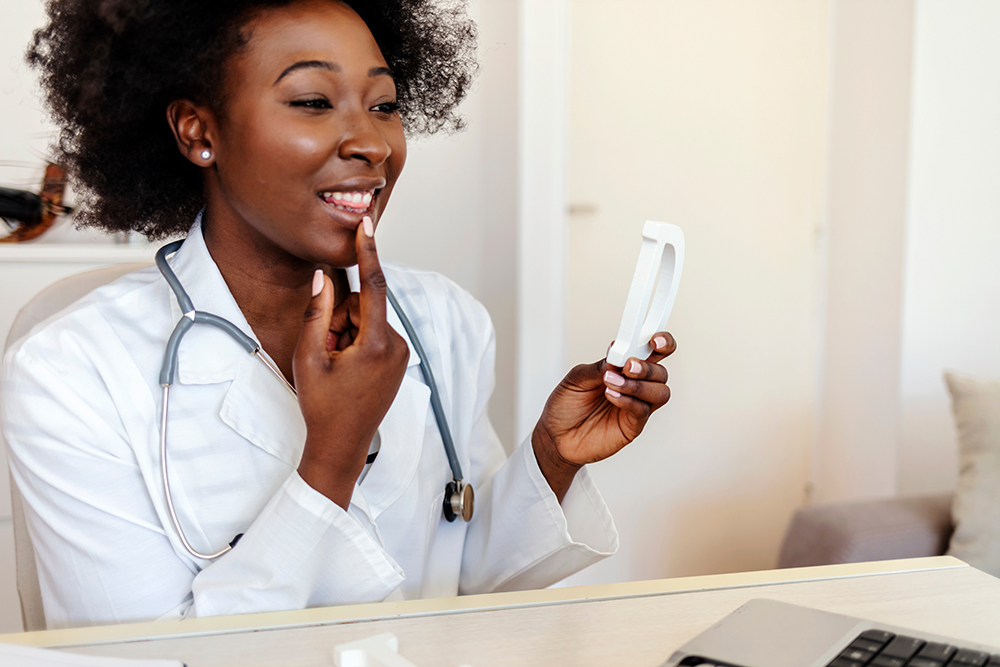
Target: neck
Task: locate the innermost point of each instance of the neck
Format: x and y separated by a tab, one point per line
271	287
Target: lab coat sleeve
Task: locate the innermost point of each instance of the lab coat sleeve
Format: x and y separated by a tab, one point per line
521	537
102	552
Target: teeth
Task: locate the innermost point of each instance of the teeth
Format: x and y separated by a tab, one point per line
337	198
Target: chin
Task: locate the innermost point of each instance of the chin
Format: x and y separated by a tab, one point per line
337	252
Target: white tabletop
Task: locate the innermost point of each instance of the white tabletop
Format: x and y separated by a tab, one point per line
636	624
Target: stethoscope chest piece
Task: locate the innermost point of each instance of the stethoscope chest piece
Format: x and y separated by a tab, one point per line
459	501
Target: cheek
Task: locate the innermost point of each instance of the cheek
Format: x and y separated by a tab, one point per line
303	147
278	153
286	156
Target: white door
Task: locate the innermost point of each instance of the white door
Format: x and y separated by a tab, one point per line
708	114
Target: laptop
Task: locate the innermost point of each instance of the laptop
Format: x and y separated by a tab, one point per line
768	633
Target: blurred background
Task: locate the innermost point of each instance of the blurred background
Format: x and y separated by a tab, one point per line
835	165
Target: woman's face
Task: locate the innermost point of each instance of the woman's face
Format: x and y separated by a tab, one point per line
309	141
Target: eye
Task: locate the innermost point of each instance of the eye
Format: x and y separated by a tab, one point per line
387	108
317	103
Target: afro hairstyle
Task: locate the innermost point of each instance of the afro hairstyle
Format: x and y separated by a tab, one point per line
109	68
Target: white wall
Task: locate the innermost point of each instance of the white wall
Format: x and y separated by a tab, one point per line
710	115
715	115
890	234
951	303
24	136
855	448
913	280
543	85
454	209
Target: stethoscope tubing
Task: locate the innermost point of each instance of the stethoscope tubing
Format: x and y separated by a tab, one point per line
425	369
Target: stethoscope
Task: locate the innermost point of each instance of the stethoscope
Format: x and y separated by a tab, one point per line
459	499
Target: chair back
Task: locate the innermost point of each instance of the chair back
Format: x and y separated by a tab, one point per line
48	302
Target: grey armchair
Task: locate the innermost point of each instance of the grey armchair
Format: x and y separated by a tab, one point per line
870	530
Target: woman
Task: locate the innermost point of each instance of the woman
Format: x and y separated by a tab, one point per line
283	124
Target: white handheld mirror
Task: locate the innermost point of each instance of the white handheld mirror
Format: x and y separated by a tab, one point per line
651	296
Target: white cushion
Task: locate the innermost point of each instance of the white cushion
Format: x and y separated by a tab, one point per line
976	510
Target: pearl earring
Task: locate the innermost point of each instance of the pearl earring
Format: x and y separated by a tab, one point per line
206	154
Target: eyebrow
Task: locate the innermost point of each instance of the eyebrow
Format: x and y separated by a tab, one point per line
327	65
308	64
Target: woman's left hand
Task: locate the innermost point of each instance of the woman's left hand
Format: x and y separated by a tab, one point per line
596	410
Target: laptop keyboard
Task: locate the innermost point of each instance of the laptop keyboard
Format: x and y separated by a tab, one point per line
878	648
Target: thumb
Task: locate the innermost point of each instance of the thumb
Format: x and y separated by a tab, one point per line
587	376
311	347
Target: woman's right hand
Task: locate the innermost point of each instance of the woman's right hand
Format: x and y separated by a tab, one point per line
348	365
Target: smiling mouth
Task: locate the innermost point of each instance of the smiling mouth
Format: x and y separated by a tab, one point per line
357	201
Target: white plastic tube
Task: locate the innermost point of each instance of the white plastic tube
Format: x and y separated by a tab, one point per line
651	296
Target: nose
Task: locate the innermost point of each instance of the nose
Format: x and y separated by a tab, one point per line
364	140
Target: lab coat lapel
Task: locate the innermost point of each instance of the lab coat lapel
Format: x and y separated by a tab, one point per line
260	408
402	430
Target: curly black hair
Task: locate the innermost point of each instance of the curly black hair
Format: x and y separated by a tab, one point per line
109	68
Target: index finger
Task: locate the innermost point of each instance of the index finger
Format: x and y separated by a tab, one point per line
372	295
663	346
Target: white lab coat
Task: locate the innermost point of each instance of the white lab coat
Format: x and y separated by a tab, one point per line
80	406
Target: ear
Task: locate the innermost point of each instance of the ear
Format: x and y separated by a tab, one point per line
193	128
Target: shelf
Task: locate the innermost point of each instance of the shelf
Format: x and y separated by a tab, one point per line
77	253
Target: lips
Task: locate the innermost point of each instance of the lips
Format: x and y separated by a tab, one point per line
356	201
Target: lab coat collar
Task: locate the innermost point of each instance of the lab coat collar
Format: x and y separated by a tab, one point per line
206	355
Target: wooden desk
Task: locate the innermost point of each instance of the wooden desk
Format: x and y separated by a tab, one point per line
637	624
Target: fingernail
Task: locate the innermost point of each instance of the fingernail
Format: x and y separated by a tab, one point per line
660	342
317	282
369	228
613	378
633	366
612	393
